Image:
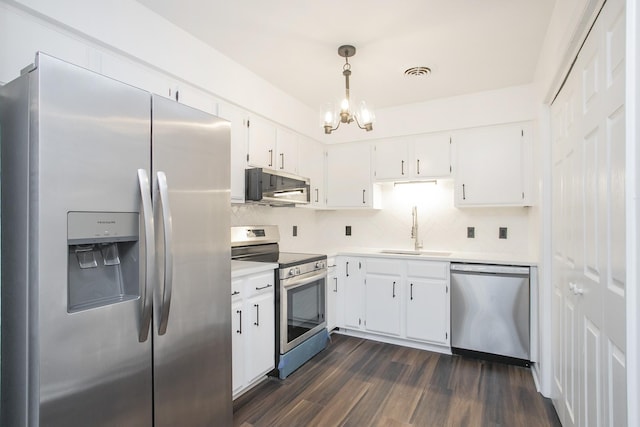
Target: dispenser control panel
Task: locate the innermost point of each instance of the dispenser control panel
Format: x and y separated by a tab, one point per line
94	227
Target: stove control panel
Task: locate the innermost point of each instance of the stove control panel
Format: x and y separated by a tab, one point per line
303	268
294	271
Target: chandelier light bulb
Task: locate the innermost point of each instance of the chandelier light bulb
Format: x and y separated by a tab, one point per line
328	118
344	105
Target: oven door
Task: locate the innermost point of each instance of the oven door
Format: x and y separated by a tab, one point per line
302	308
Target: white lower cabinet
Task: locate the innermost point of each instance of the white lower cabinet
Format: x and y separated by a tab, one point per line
332	295
261	335
350	292
253	329
428	301
237	338
395	299
382	296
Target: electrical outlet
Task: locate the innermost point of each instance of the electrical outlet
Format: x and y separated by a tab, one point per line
502	233
471	232
347	230
295	230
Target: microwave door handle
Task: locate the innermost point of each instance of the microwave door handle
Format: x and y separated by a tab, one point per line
146	296
163	191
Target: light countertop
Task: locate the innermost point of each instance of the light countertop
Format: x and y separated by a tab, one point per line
451	256
244	268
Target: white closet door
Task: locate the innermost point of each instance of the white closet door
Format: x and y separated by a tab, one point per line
589	230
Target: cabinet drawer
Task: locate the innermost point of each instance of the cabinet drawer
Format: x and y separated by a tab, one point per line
236	289
429	269
384	266
260	283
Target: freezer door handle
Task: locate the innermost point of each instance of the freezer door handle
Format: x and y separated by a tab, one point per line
167	281
146	297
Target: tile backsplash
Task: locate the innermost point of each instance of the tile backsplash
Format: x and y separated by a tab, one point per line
441	226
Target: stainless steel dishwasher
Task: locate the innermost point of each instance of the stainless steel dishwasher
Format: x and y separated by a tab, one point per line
490	310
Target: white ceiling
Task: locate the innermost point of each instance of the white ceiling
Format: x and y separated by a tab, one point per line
471	45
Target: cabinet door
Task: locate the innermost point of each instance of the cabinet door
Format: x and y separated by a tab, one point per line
332	296
260	353
349	175
287	151
311	166
490	166
262	144
391	160
382	303
239	134
353	292
427	310
432	156
237	347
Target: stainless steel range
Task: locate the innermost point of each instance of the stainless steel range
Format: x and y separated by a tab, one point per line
300	295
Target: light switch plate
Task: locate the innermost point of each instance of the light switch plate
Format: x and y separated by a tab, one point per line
295	230
347	230
471	232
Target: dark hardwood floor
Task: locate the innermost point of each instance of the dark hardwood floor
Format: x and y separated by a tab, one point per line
356	382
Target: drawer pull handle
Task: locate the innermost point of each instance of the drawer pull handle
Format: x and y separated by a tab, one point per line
259	288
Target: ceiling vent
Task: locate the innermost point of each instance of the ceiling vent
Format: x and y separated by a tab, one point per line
417	71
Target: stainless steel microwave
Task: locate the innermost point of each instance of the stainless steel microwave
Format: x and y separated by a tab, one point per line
275	188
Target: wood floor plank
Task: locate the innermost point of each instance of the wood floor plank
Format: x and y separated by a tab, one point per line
300	415
341	404
356	382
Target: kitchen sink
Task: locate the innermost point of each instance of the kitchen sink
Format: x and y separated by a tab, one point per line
410	252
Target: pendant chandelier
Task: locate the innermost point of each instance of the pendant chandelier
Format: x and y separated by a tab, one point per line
348	110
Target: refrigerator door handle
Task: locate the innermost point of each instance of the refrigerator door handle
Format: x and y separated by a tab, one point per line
146	297
167	287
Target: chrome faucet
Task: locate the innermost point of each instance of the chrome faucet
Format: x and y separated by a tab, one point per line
414	228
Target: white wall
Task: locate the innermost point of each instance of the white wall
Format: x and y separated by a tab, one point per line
510	104
569	24
152	53
441	225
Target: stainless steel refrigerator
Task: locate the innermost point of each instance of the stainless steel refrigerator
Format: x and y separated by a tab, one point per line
115	255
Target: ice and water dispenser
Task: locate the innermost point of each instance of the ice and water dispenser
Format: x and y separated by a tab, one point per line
103	258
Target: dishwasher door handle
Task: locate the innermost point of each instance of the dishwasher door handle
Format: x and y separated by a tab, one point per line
489	269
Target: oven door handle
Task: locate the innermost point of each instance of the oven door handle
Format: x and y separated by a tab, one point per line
295	282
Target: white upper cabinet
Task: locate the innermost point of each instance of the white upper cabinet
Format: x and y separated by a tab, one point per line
392	159
349	182
239	134
493	166
272	147
311	165
413	158
432	156
287	151
262	144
